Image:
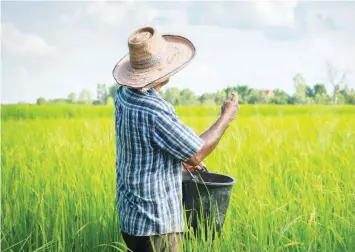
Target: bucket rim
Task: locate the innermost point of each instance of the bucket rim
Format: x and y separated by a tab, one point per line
212	183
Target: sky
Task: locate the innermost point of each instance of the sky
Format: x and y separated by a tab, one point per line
51	49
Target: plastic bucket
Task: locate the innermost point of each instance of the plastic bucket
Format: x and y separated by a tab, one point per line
206	198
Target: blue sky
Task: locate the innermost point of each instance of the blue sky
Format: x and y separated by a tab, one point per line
53	48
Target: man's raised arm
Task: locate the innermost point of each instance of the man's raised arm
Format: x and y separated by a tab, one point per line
212	136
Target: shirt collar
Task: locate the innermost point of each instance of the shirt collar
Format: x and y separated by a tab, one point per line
150	91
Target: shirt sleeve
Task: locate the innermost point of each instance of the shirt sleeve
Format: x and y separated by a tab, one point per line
171	135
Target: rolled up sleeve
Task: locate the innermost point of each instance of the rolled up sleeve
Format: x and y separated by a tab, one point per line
171	135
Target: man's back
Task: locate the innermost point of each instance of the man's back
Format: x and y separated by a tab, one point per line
151	143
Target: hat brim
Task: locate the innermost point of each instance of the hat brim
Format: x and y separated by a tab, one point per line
181	51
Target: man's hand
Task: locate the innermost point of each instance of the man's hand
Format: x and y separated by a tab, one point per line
193	168
212	136
230	107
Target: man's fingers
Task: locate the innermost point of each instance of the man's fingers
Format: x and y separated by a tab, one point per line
234	98
230	98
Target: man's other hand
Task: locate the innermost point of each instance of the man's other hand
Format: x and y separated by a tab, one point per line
193	168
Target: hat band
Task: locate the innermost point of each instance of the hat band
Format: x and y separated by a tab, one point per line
146	63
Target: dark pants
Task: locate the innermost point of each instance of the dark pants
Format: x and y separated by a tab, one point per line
168	242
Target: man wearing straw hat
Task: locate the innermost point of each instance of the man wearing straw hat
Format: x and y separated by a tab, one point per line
152	143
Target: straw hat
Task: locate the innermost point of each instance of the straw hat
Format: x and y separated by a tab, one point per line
152	58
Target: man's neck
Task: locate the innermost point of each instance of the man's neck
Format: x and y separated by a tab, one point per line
162	83
158	87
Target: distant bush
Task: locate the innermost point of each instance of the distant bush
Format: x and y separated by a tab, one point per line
41	101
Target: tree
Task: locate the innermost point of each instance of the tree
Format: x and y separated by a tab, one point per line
220	97
322	98
300	87
345	91
207	99
336	78
172	95
112	90
59	101
253	97
292	100
304	94
319	89
280	97
187	97
340	98
241	90
85	96
309	92
101	92
41	101
350	97
96	102
72	98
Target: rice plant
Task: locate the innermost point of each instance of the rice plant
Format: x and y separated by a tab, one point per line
294	167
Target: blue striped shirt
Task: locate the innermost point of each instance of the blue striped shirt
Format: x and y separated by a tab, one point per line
151	143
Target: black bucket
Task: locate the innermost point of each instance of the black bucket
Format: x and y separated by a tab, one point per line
206	197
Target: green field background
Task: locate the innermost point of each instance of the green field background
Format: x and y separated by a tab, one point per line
294	167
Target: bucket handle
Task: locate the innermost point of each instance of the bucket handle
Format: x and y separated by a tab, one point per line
203	168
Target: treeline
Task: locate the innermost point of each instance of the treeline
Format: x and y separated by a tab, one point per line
104	96
304	94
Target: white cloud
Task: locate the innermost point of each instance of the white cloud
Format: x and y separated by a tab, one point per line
115	13
331	34
253	14
20	43
112	14
94	37
130	15
273	13
71	18
227	56
330	16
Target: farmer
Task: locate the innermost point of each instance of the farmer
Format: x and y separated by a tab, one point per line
152	143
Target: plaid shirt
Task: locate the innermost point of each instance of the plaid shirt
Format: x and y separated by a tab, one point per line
151	144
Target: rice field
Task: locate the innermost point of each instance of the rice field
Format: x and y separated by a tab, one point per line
294	167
